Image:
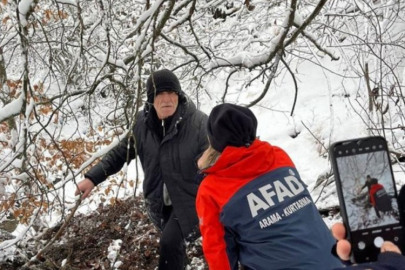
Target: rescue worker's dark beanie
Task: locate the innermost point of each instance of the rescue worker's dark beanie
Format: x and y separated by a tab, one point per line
163	80
231	125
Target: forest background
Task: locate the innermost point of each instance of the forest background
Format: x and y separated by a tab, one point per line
72	77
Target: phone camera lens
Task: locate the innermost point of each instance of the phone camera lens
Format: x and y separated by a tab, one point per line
361	245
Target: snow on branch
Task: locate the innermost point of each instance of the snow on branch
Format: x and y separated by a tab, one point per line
314	41
68	2
180	21
212	4
95	156
10	243
181	5
24	7
112	61
305	23
186	16
144	17
147	17
13	108
184	48
248	60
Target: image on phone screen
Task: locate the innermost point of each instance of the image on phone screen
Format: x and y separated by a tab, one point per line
368	190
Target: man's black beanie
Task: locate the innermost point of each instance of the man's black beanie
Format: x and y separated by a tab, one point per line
231	125
163	80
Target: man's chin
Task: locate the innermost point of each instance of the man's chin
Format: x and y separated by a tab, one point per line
167	113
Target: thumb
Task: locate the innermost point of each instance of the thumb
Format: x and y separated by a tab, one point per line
83	192
390	247
86	193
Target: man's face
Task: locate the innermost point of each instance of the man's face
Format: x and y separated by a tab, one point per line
165	104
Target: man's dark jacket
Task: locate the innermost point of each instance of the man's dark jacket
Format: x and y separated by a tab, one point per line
170	160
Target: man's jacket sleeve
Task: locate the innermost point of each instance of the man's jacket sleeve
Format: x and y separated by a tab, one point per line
213	233
113	161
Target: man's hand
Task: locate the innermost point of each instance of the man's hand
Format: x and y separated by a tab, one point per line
343	247
84	187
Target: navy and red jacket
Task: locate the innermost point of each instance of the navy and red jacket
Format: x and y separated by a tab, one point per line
374	188
254	209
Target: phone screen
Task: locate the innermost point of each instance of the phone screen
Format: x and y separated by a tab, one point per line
368	190
370	198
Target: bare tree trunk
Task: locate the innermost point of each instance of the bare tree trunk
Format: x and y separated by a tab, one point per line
4	97
3	74
370	93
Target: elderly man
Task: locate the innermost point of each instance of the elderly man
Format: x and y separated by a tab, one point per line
169	134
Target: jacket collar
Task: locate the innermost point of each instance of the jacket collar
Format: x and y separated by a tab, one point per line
243	162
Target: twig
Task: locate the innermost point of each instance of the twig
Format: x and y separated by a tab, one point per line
306	23
314	136
295	84
57	236
274	68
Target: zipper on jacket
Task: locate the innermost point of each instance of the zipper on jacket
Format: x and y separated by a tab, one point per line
177	122
163	126
172	132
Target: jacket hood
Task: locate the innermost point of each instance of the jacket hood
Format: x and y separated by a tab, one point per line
244	162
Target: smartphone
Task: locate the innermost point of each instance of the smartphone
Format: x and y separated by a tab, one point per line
367	196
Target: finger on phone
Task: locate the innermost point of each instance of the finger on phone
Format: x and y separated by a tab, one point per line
343	249
339	231
390	247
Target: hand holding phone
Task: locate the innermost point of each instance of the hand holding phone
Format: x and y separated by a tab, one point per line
367	196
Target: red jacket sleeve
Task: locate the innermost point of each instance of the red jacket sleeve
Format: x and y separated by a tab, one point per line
374	188
212	231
